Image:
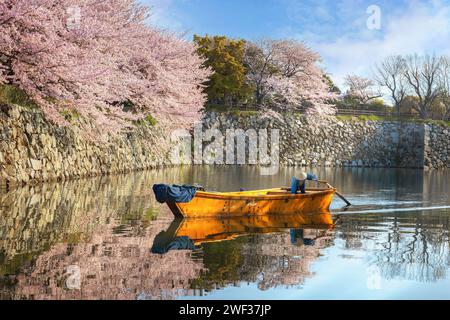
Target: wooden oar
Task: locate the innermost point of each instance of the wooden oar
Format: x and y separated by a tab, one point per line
343	198
337	193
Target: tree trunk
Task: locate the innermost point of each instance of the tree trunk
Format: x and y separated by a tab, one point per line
259	97
423	113
397	109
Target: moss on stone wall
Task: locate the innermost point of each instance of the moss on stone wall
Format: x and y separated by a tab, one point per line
11	95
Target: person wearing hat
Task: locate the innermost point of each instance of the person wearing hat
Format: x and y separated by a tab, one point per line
299	184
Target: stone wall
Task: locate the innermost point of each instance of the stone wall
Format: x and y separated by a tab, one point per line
34	150
351	143
437	147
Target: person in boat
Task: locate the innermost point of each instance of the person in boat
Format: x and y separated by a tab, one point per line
298	185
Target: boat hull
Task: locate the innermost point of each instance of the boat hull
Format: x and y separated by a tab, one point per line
259	202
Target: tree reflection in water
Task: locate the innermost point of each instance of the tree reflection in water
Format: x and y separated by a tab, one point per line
412	246
112	267
272	260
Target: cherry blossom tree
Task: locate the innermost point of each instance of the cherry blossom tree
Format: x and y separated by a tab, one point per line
285	73
93	56
361	88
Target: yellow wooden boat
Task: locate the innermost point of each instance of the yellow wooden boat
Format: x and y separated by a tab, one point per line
278	201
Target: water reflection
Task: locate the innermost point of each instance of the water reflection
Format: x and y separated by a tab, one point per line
187	234
127	246
268	260
408	246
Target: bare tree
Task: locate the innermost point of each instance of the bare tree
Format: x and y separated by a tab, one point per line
422	75
444	84
390	74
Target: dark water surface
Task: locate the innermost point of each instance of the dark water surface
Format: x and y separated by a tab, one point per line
107	238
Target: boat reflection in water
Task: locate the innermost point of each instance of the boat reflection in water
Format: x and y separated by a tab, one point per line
188	234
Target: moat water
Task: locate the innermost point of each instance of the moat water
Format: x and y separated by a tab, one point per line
108	238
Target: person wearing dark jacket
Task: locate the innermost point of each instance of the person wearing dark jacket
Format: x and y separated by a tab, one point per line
299	184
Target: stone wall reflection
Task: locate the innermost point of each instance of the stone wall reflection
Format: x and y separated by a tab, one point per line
105	226
33	218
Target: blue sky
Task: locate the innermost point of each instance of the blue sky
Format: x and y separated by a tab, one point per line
336	29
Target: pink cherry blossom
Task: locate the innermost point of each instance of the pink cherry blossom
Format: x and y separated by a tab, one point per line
89	55
286	74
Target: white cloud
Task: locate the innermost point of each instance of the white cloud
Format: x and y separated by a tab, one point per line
418	29
337	30
165	15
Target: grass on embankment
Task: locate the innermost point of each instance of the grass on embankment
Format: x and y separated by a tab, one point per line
345	118
437	122
363	118
232	111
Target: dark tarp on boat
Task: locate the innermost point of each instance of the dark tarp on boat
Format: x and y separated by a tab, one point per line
161	245
174	193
